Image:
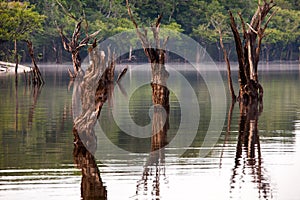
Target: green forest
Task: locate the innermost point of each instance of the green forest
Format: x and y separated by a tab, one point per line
39	21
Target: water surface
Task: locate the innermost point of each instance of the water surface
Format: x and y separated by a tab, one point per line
37	159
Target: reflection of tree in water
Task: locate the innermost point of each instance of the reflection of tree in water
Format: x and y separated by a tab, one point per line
91	183
160	121
35	91
154	167
35	94
248	159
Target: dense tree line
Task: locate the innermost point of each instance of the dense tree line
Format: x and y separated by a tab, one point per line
196	18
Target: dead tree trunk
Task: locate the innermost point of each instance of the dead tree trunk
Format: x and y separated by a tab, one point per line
160	99
37	78
160	92
16	56
229	79
156	57
96	88
248	51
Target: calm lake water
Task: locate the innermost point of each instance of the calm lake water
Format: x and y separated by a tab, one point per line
37	159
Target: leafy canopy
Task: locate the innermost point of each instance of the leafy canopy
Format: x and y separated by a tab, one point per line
19	21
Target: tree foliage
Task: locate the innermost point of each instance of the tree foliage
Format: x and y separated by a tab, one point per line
19	21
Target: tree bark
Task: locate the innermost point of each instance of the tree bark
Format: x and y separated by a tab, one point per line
76	62
239	50
248	55
37	78
160	99
229	79
96	89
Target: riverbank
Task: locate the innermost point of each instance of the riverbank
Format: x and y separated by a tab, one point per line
6	67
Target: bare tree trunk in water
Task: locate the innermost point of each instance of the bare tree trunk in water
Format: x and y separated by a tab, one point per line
160	99
229	79
160	125
96	88
37	78
248	55
16	56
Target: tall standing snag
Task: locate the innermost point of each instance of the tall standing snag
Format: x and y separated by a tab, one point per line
156	56
248	50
